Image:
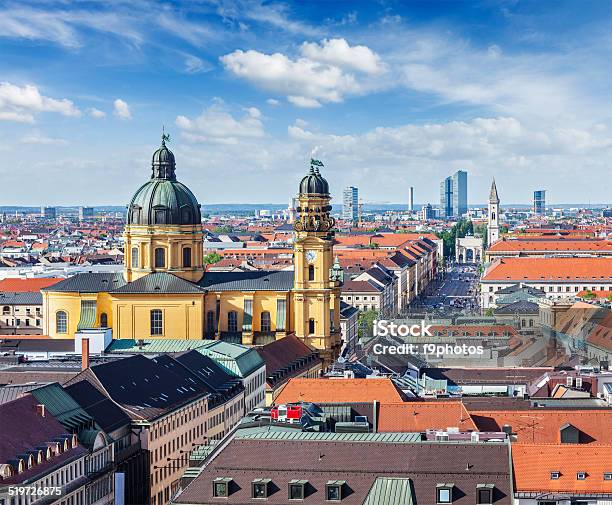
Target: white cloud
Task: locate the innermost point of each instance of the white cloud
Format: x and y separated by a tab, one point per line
21	103
337	52
273	102
122	109
321	75
97	113
36	137
217	125
195	65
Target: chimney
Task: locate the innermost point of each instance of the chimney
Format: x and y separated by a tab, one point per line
40	410
84	354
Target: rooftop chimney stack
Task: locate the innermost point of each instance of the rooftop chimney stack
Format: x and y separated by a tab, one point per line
40	410
84	354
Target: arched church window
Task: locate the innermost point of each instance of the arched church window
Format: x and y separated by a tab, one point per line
160	257
311	273
61	322
493	215
134	257
103	320
157	322
266	322
311	326
187	257
232	321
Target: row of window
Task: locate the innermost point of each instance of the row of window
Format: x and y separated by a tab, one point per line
17	322
159	257
580	476
335	490
7	310
61	321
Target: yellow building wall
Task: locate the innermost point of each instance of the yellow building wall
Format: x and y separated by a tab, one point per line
183	316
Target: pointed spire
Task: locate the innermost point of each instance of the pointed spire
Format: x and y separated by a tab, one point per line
493	198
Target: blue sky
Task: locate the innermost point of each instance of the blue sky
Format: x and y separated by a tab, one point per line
388	94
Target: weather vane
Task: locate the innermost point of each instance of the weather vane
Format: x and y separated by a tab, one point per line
165	136
316	163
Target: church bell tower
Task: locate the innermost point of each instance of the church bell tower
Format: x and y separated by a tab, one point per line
493	216
317	278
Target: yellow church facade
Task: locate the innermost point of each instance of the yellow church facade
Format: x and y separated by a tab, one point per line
164	291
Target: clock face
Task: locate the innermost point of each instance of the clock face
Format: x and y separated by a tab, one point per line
311	256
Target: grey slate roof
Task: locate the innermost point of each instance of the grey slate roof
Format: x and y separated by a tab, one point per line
159	282
520	307
20	298
517	287
89	283
259	280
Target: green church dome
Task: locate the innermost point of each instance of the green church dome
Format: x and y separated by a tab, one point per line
163	200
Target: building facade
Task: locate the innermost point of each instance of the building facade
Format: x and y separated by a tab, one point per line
539	202
453	195
163	291
350	204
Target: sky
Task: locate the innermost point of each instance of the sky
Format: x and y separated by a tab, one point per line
387	94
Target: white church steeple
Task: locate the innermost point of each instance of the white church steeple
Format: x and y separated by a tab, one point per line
493	216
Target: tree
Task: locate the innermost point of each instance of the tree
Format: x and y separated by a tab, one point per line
211	258
365	323
489	312
610	297
226	228
589	295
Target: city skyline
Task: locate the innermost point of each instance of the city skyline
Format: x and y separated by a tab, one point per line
399	94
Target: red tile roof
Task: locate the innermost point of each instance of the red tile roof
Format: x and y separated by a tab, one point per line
543	425
534	463
421	416
550	269
339	391
559	244
27	285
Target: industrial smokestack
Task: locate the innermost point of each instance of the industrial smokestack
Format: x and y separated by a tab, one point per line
84	354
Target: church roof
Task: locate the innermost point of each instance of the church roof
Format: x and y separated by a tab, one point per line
259	280
89	283
493	198
159	282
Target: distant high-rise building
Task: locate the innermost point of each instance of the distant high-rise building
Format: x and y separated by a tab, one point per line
493	216
539	202
453	195
427	212
411	199
350	204
48	212
606	213
86	213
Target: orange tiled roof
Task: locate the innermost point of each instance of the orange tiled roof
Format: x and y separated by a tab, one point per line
561	244
550	269
599	293
533	464
421	416
339	391
27	285
542	426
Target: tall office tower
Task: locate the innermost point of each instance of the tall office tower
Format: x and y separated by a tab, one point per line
48	212
453	195
539	202
350	204
86	213
411	199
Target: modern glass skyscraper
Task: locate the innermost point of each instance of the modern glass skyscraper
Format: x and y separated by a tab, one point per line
453	195
350	204
539	202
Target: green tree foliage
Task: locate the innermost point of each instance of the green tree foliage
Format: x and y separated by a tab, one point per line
211	258
226	228
589	295
365	323
461	228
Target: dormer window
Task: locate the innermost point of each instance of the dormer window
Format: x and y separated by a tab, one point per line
607	475
297	489
221	487
333	490
581	475
260	488
555	475
444	493
484	494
